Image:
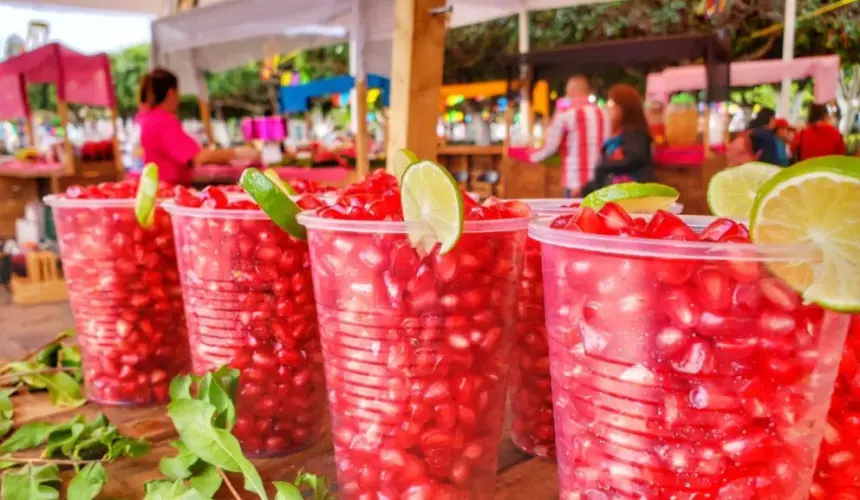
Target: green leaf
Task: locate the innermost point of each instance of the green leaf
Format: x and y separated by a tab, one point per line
179	466
207	480
28	435
194	422
31	483
212	392
64	390
171	490
7	411
63	437
318	484
127	447
180	387
286	491
48	355
87	483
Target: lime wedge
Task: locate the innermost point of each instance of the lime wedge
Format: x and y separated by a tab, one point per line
429	194
816	203
276	179
731	192
147	191
635	197
402	159
273	201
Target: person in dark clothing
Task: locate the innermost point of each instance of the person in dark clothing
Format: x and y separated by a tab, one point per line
626	156
769	142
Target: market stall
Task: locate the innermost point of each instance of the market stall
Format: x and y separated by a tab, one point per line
521	179
79	79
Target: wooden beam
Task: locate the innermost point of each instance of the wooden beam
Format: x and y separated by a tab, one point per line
117	154
206	117
362	146
416	76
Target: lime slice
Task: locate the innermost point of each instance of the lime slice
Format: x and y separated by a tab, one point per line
276	179
274	201
731	192
817	203
402	159
430	194
147	191
635	197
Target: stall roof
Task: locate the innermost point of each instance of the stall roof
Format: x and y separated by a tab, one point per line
234	32
636	52
79	78
824	70
295	98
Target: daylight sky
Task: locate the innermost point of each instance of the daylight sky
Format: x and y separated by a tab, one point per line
74	28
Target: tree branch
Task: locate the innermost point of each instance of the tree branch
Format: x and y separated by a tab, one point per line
230	486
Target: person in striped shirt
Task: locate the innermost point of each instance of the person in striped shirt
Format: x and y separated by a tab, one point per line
577	133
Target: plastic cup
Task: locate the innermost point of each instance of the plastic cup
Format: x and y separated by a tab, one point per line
417	350
683	369
125	294
249	303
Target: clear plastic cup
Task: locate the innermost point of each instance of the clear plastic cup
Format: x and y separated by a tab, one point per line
548	204
683	369
250	305
838	472
125	295
417	350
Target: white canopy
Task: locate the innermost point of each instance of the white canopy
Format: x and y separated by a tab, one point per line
234	32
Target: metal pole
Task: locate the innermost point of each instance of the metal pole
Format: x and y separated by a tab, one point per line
525	90
787	54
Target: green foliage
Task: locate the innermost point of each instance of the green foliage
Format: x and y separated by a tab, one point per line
87	484
31	482
55	368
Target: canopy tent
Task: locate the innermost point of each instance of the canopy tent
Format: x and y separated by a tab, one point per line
294	98
823	70
79	78
540	93
636	52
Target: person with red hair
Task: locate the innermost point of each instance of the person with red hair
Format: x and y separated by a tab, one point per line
626	155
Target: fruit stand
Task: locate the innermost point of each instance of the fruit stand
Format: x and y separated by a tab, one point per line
79	79
524	179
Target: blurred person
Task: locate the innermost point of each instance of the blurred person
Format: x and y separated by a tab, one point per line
577	134
819	138
166	143
770	142
740	149
627	154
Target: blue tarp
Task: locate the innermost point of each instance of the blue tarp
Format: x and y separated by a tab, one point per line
294	98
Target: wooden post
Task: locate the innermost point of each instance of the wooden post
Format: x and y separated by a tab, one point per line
706	134
509	122
117	158
206	117
63	111
416	76
362	153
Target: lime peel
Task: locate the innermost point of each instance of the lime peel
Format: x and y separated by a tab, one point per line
274	201
276	179
430	196
815	203
732	191
402	160
147	192
635	197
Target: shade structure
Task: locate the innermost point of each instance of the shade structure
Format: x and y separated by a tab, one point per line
294	98
234	32
79	78
823	70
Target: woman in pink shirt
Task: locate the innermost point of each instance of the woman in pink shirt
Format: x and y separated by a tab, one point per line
163	140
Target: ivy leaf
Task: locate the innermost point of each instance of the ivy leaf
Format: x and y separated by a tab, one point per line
207	480
180	388
171	490
286	491
31	483
28	435
194	422
7	411
179	466
87	483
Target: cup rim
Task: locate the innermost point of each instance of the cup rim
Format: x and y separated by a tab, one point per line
313	222
557	206
670	249
60	201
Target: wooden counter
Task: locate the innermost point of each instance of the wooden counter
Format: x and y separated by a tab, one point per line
691	181
477	168
520	476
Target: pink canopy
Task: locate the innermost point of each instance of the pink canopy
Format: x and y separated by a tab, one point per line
824	71
80	79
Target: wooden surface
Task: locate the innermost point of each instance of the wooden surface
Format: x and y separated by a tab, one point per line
24	328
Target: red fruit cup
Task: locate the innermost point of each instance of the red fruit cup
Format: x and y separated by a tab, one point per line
125	295
417	350
250	305
530	387
710	381
838	472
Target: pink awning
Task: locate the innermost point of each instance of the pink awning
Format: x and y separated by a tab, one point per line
824	71
80	79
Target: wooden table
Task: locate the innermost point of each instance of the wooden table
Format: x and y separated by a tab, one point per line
520	476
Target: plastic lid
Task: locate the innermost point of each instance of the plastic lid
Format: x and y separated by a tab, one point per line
668	249
316	223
